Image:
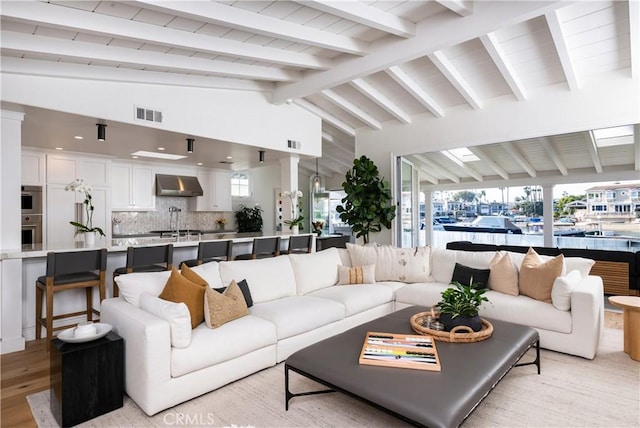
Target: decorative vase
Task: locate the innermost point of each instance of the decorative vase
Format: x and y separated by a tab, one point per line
475	323
295	230
89	239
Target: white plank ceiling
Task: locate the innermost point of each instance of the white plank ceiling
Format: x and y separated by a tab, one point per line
353	63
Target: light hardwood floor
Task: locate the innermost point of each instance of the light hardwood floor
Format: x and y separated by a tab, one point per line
27	372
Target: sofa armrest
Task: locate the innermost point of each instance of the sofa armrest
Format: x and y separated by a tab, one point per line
587	311
147	344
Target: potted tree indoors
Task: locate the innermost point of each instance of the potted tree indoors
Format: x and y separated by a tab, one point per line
367	205
459	306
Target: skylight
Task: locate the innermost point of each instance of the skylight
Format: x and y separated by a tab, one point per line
617	136
167	156
463	154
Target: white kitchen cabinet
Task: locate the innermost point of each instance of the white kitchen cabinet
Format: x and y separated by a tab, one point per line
63	169
216	189
132	187
32	168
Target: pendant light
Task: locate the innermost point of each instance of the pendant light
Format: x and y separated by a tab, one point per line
190	145
317	182
102	131
261	156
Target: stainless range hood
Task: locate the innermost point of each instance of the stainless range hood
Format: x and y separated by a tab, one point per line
177	185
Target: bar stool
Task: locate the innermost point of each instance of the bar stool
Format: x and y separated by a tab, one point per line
262	248
300	244
211	251
145	259
65	271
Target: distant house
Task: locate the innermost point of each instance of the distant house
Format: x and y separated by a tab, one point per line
621	201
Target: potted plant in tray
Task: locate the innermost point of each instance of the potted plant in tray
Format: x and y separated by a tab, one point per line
459	306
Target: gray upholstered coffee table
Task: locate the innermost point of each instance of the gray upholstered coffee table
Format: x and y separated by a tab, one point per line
429	398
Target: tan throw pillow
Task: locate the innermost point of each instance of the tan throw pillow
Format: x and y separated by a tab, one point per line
220	308
179	289
536	277
357	275
504	275
190	274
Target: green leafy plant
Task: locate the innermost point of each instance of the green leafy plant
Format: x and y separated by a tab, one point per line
249	219
79	186
295	222
367	205
462	300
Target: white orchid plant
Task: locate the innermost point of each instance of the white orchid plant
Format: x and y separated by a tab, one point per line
78	185
295	219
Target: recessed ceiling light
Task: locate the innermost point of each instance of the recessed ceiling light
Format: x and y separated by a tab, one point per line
78	137
134	157
199	164
156	155
59	148
229	157
161	148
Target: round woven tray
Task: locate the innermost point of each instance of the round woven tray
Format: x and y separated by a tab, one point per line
460	334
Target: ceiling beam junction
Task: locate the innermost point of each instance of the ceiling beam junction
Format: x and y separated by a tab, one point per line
517	156
351	108
461	7
590	139
312	108
487	159
555	27
412	87
437	168
553	154
472	172
380	99
452	74
499	57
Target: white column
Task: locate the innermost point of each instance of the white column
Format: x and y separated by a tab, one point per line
11	338
547	214
428	217
289	182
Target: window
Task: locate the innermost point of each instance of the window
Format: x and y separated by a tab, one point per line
598	208
240	184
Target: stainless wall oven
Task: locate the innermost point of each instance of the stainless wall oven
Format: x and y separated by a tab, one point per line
31	207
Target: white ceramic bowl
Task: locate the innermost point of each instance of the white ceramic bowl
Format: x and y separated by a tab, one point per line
102	329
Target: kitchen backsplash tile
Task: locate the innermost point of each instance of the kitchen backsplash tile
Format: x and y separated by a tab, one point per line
144	221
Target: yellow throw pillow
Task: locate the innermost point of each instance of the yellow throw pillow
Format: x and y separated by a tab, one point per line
536	277
188	273
357	274
220	308
180	290
504	275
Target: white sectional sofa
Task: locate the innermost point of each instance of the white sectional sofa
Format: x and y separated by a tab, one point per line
297	302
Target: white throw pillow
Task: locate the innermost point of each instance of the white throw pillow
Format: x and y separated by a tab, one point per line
176	314
132	285
580	264
402	264
563	286
210	272
314	271
362	255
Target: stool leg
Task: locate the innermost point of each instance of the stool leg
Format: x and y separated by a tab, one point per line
89	292
38	312
49	315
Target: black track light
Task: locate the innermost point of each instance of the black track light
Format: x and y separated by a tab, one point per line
102	131
190	145
261	156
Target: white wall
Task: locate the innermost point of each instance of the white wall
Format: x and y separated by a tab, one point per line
555	110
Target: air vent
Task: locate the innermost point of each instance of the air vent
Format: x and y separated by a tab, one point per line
292	144
148	115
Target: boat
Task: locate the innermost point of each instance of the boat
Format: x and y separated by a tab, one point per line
486	224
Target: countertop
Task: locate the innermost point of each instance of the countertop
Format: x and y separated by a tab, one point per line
121	244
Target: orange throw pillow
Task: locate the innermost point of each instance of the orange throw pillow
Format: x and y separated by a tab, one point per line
180	290
536	277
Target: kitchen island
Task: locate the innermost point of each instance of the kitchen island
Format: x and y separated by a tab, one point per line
18	284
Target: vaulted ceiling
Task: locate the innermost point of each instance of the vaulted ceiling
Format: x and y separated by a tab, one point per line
353	63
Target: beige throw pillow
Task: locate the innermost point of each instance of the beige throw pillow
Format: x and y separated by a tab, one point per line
504	275
357	275
220	308
536	277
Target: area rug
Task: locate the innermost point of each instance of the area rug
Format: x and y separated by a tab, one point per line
571	391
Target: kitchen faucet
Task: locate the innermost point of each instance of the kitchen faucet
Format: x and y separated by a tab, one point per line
173	223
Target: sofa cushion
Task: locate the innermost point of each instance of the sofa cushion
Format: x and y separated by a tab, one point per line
236	338
357	299
443	262
466	275
132	285
537	277
298	314
504	274
193	276
210	272
563	286
269	279
315	270
344	256
220	308
421	294
180	289
176	314
356	274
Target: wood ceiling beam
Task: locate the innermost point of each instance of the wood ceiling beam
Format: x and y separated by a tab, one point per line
362	13
553	154
555	27
55	47
437	168
472	172
237	18
634	37
590	139
412	87
461	7
68	18
499	57
431	35
517	156
492	164
322	114
380	99
446	67
351	108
